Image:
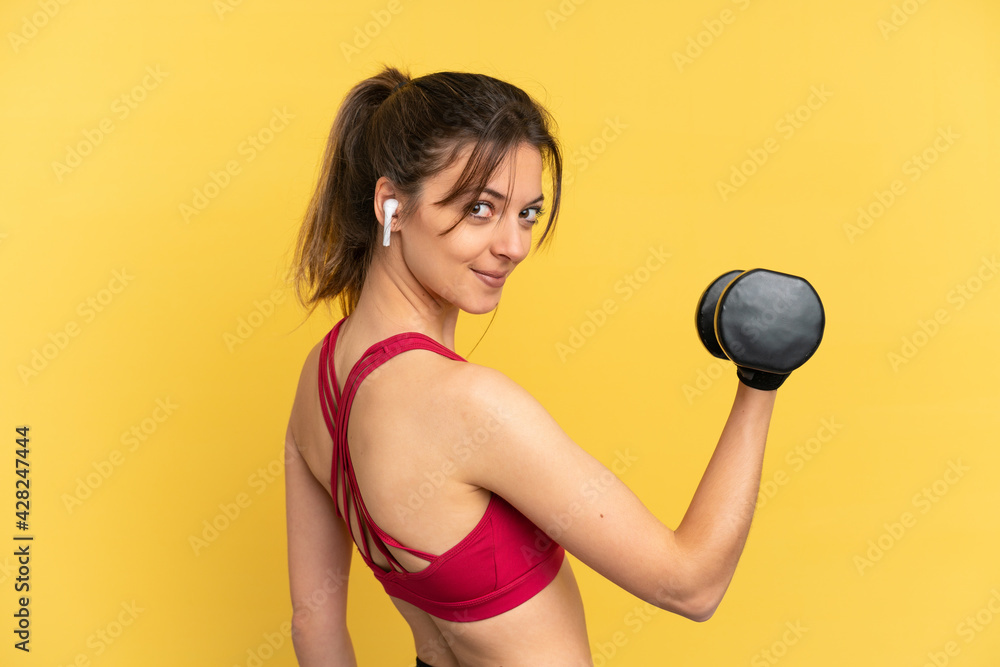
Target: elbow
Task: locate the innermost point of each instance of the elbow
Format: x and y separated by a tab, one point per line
306	626
299	629
300	623
697	603
309	621
321	639
698	607
702	610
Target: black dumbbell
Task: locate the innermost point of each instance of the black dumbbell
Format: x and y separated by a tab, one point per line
768	323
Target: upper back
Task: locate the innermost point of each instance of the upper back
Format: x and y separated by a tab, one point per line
405	441
402	494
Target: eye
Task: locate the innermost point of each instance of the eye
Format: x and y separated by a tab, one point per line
481	210
531	214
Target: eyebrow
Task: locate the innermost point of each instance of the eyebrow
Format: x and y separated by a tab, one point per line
493	193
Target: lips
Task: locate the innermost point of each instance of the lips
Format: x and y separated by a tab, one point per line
493	279
498	275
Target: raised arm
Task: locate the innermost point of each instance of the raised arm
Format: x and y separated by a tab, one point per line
578	502
769	324
715	526
319	562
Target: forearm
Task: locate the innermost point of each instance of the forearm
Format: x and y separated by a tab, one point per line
715	527
318	645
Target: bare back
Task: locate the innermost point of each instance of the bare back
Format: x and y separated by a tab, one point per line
413	484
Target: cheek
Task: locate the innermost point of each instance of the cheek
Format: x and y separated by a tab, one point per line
442	263
439	262
461	247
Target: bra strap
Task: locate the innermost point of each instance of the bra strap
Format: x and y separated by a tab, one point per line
343	469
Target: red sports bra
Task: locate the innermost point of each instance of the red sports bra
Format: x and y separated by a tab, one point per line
504	561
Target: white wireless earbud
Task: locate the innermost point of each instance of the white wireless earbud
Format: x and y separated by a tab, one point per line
389	208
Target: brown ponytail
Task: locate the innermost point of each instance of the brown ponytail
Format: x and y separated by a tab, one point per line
408	130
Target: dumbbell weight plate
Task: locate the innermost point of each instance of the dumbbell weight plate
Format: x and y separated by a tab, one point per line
704	317
769	321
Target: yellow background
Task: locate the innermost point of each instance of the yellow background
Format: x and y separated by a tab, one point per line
648	138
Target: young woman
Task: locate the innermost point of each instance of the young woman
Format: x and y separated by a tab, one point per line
457	487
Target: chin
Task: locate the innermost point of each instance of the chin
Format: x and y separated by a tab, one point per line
480	307
479	304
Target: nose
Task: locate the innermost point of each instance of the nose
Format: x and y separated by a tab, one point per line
511	237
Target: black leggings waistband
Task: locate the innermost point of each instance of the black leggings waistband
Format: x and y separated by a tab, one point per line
421	663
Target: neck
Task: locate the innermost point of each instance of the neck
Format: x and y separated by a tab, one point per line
393	301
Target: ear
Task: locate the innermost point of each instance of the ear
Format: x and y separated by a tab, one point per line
384	190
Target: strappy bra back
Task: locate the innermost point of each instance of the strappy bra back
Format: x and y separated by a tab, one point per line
502	562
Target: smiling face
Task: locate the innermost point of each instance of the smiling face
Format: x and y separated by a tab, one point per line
468	266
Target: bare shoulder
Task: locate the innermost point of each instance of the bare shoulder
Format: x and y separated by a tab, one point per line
452	408
478	397
306	400
522	434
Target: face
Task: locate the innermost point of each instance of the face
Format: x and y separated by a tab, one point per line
468	266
